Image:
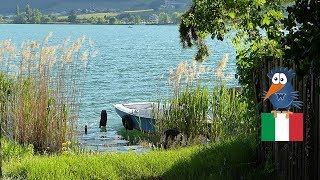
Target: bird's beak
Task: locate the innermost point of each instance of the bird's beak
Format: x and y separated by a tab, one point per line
273	89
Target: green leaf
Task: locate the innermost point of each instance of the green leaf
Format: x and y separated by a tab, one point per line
265	20
232	15
254	47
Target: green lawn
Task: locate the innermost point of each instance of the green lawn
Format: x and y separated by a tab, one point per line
139	11
225	160
87	16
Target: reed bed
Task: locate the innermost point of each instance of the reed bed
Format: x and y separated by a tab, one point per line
197	111
39	100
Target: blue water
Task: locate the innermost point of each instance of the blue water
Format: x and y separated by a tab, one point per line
132	65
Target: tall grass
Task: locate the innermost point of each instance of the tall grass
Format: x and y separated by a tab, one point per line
39	96
218	112
229	113
188	112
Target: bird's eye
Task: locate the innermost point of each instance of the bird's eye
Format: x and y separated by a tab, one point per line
275	78
283	78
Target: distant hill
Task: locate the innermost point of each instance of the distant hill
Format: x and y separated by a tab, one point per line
8	6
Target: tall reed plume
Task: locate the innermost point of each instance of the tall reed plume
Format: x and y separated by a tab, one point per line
199	111
39	100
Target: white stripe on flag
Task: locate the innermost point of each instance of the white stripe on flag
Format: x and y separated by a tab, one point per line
282	127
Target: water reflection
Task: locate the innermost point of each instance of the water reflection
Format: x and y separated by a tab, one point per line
107	139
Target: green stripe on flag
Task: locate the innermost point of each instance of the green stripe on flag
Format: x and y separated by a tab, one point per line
267	127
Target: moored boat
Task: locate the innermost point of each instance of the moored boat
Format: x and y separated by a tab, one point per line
138	116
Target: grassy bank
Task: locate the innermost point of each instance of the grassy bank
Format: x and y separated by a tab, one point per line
229	159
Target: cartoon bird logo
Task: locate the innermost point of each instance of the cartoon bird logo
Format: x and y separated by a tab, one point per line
281	93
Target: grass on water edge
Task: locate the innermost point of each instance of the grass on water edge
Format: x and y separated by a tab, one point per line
227	160
136	136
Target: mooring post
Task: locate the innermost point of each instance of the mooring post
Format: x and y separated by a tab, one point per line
85	129
103	120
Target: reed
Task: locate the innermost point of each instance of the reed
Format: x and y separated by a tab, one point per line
187	112
39	100
201	112
229	113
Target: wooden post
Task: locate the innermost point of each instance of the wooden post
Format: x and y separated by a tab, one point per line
103	120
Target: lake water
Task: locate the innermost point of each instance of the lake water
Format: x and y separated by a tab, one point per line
132	65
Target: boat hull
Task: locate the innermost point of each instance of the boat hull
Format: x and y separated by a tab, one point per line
142	123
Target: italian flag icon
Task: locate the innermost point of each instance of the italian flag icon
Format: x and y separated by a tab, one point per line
281	128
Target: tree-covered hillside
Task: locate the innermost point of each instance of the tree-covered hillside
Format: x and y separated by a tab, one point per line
8	7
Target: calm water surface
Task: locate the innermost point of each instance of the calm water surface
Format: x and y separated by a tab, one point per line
132	65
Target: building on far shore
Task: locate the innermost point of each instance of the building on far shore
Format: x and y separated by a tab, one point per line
153	19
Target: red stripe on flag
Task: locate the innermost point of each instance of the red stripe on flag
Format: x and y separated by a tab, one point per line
296	127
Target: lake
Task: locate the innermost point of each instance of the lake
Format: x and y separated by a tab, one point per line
132	65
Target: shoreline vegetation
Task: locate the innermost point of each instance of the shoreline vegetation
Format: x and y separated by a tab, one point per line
35	100
35	148
39	100
134	17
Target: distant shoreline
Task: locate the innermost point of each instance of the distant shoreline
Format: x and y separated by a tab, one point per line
66	23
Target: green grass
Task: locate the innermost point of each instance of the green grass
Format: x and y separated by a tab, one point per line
14	151
136	136
98	15
140	11
88	16
229	159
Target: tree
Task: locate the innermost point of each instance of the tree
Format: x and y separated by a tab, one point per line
17	10
33	16
46	19
72	18
93	20
153	19
164	18
53	18
36	16
28	13
262	42
20	19
112	20
303	40
100	21
137	19
175	17
126	17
